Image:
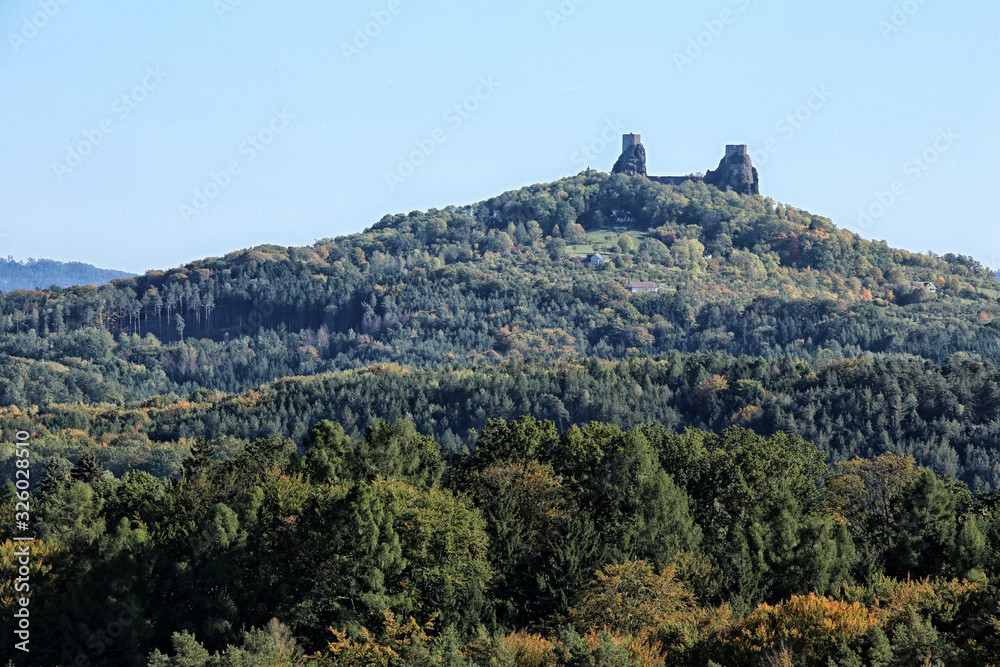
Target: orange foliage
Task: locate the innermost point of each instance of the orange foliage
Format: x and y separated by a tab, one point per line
531	650
810	627
745	415
892	600
713	383
643	649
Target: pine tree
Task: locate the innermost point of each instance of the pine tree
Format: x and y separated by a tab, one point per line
55	475
88	469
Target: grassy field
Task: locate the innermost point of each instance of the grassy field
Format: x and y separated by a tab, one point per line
604	241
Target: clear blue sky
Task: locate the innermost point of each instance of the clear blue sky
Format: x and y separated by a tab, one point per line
164	97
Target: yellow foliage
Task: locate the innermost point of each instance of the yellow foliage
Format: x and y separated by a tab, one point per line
810	627
285	494
40	561
713	384
531	650
643	648
892	600
865	487
631	598
367	651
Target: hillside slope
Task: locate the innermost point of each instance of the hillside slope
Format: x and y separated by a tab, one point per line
765	316
947	417
501	279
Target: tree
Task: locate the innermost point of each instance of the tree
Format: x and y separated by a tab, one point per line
811	628
71	516
874	496
371	558
137	494
444	543
396	450
526	438
523	504
632	597
55	476
972	548
329	453
575	234
556	248
924	529
397	645
665	526
502	243
88	469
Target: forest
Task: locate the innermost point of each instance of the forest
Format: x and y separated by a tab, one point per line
597	545
741	275
947	417
448	440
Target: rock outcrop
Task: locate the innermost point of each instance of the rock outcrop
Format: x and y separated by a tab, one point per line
735	172
632	161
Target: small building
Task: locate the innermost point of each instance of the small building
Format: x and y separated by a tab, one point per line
642	287
597	260
930	287
623	217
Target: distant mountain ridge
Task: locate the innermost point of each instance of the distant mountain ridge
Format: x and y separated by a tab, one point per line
44	273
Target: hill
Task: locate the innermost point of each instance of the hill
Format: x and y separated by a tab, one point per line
249	452
947	418
763	306
498	279
35	273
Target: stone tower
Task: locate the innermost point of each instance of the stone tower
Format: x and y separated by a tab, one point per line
633	158
735	172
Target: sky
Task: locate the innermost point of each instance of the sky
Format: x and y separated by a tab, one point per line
143	135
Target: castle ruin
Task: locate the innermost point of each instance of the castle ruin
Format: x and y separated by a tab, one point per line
735	172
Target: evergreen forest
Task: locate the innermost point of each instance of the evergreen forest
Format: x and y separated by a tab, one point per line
455	439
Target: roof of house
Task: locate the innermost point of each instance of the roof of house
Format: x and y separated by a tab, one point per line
642	285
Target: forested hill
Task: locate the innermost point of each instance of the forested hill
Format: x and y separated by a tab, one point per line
34	273
947	417
502	278
262	454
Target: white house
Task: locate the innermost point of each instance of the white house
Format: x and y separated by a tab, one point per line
642	287
623	217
